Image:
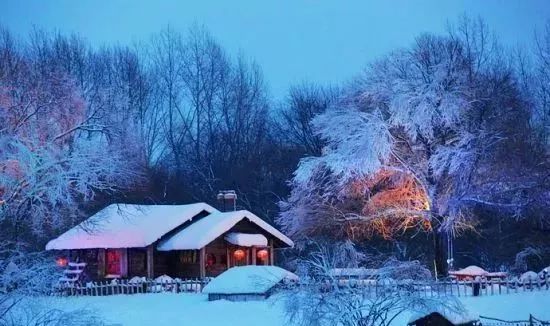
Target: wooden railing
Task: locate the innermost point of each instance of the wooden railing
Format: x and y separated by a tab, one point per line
373	287
532	321
103	288
452	288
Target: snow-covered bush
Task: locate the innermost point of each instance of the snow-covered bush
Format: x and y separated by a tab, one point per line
320	298
24	272
526	257
16	311
529	277
326	257
404	270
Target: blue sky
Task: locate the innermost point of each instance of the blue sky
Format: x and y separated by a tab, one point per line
292	40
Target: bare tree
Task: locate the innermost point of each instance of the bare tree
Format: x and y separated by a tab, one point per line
304	102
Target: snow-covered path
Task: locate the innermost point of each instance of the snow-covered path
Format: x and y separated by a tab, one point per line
194	309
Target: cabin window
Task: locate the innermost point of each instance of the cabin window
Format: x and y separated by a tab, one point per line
112	262
210	259
188	256
90	254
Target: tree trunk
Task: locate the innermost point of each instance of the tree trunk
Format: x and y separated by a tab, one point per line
440	262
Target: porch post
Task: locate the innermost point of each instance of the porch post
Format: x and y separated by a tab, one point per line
100	263
202	261
124	262
150	261
253	255
271	254
228	258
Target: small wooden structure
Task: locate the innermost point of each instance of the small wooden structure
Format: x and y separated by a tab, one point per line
183	241
438	319
474	272
247	283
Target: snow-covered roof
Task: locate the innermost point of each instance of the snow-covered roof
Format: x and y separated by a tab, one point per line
246	239
127	226
456	317
248	280
208	228
470	271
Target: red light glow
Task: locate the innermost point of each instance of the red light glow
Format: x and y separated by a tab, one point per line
238	254
262	254
61	261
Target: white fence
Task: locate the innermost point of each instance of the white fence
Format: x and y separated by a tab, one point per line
452	288
129	287
373	287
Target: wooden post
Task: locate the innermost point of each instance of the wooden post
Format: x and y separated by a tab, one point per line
124	262
202	262
228	258
271	253
100	263
150	262
253	255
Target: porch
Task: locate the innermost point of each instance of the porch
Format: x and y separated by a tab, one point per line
126	263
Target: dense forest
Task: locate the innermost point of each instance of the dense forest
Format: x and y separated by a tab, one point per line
438	150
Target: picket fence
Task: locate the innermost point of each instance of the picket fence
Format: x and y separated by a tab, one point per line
372	287
121	286
532	321
451	288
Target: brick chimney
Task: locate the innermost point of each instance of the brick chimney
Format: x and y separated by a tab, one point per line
227	200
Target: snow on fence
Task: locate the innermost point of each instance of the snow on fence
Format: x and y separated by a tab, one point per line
131	287
372	287
533	321
453	288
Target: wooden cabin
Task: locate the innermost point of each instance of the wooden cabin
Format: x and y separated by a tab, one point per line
185	241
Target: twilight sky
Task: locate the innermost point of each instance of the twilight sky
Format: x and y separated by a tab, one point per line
292	40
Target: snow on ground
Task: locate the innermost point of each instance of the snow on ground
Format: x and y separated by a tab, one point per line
166	309
507	306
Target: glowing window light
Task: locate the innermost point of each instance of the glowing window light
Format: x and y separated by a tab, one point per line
262	254
238	254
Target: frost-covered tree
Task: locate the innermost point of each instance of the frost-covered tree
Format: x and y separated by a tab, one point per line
54	151
446	113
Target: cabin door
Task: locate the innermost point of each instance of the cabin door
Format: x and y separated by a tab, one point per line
112	262
116	263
